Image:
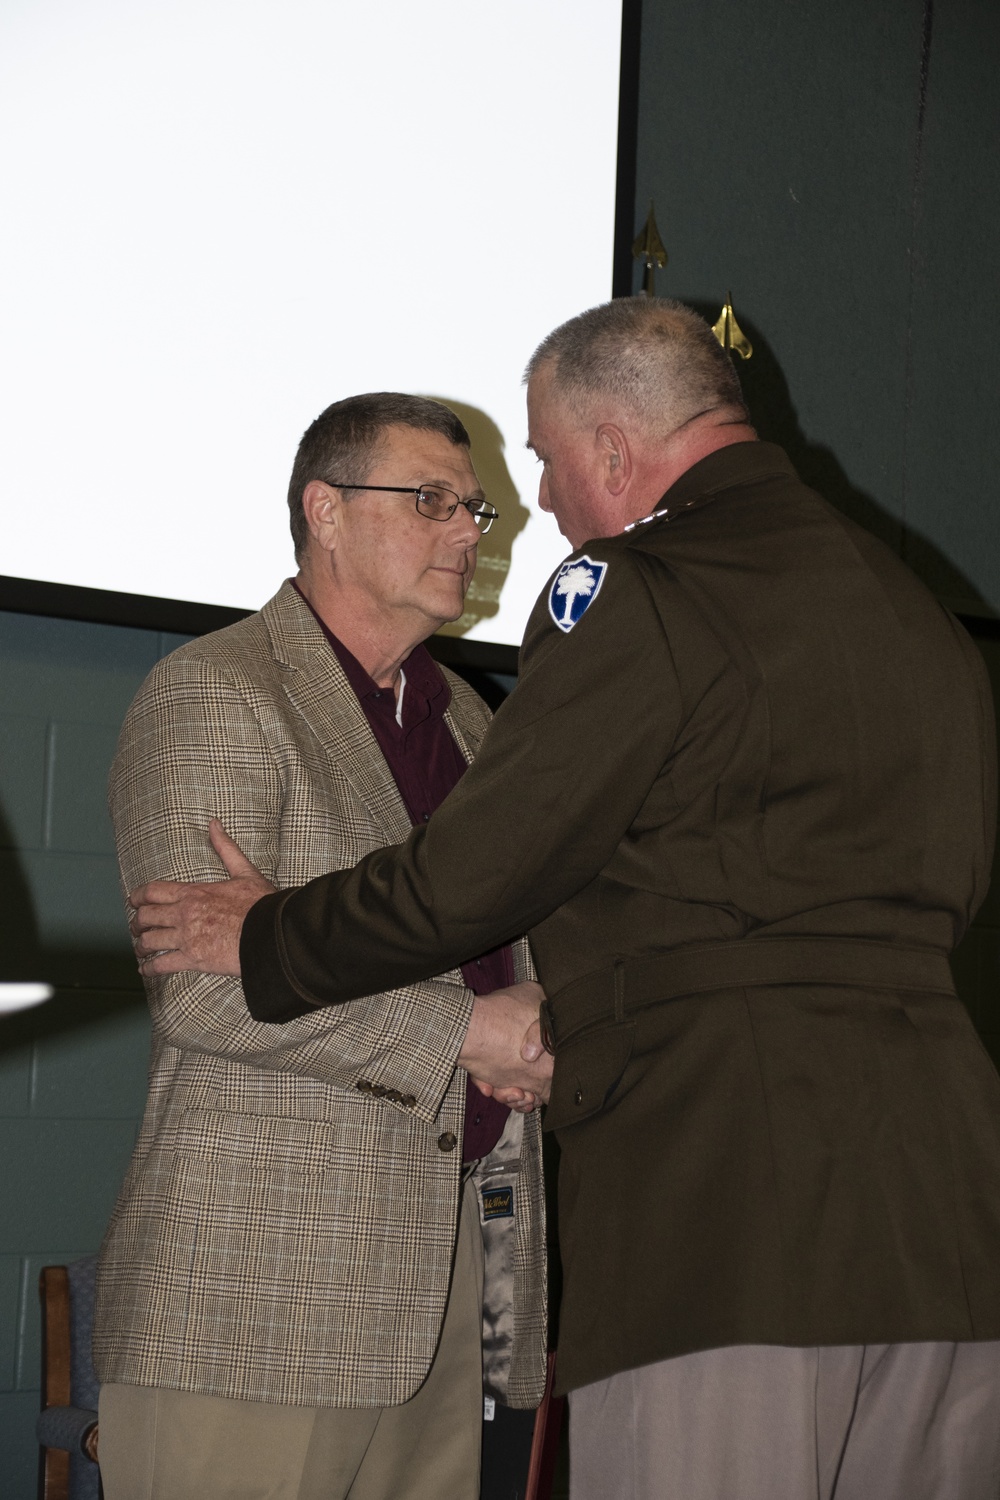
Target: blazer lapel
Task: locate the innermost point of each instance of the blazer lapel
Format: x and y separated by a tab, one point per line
317	687
467	729
467	748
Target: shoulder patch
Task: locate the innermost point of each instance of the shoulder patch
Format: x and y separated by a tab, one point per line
574	589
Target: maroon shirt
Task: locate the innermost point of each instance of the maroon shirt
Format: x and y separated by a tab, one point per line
426	764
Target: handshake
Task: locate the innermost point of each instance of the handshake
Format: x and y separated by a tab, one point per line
503	1052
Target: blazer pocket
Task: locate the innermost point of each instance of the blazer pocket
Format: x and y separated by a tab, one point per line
263	1142
587	1074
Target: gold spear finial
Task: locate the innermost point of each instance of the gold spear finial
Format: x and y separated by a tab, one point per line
649	247
729	333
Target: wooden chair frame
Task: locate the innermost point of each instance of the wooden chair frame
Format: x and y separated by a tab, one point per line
53	1288
545	1442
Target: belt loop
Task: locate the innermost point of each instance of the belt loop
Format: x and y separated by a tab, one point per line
619	989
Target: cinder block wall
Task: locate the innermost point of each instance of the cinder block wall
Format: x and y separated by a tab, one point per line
72	1074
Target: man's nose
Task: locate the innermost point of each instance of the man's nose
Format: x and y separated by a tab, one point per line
466	532
543	494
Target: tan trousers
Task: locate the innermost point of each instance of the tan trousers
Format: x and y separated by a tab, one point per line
174	1445
761	1422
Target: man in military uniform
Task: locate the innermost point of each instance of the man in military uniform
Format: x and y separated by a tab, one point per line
742	798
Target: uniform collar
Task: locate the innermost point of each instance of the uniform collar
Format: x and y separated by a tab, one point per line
725	469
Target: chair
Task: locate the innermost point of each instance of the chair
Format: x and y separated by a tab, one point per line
70	1389
68	1419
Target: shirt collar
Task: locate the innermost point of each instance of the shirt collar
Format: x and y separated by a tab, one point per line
423	676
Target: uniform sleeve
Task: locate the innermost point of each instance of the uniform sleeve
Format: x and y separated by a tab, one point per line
983	865
563	772
192	748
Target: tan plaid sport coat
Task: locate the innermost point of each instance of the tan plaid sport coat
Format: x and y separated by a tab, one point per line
281	1235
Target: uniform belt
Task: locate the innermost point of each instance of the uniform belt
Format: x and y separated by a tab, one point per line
633	984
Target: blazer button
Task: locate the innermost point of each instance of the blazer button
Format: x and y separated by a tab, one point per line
408	1101
448	1141
578	1097
364	1086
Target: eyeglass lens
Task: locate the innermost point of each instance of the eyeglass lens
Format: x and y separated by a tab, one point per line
440	504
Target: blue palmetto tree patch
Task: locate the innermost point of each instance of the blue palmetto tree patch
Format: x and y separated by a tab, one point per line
574	589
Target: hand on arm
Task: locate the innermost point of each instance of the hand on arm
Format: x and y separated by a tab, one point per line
179	926
502	1051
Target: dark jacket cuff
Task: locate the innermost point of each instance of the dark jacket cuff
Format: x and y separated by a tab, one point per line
268	994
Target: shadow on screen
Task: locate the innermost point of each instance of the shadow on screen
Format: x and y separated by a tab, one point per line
483	599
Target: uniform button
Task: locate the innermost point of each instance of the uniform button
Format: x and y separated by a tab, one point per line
578	1097
409	1100
447	1142
363	1085
427	817
394	1095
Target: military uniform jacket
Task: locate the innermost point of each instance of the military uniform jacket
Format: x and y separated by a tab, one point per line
743	797
286	1229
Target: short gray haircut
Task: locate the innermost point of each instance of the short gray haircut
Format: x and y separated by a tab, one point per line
652	356
345	443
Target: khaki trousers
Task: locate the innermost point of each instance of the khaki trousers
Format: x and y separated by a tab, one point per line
760	1422
176	1445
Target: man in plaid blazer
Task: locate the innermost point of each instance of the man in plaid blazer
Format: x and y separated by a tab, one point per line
291	1293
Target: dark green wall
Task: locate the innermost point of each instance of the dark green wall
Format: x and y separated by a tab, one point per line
72	1074
836	167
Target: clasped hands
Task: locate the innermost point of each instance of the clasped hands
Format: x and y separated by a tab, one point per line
179	927
503	1052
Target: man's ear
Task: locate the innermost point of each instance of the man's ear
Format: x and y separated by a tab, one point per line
321	506
616	457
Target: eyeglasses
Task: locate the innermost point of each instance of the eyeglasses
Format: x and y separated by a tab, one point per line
433	502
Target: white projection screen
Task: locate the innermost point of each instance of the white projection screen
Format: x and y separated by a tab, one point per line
224	214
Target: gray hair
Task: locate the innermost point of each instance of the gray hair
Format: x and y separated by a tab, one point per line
652	356
345	441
